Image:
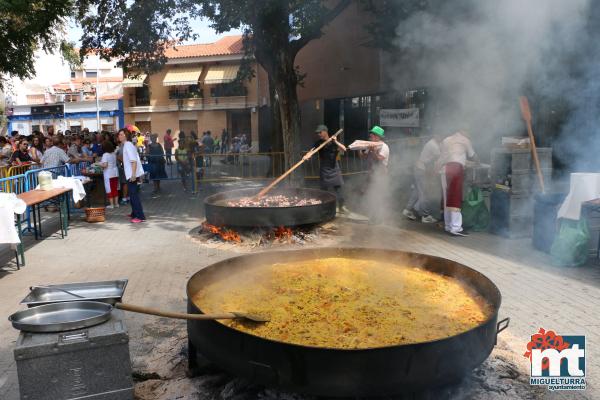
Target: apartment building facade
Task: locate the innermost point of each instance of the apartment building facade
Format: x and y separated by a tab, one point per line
65	98
196	91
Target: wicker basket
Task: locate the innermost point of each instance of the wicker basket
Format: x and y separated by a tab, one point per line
95	214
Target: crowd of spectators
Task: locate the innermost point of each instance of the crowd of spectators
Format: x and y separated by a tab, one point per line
51	149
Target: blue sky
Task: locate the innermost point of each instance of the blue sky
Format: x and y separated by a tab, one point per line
200	26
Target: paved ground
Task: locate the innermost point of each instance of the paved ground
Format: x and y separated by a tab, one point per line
157	257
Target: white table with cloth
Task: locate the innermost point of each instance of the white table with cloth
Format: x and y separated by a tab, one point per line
74	183
10	205
584	187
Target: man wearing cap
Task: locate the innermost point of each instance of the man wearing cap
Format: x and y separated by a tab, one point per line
330	174
378	154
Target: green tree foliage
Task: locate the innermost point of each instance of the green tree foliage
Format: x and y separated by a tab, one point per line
70	54
275	31
25	26
388	14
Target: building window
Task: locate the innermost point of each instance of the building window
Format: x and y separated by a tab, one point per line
91	74
73	75
142	96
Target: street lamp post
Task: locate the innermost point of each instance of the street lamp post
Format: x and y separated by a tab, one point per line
97	89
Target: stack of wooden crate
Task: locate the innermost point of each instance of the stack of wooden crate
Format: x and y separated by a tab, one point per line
514	182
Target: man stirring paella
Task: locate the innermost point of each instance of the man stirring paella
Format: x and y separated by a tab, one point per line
330	174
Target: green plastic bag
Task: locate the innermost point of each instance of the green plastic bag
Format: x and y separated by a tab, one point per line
475	215
571	244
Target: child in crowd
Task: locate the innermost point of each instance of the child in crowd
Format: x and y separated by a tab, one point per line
111	173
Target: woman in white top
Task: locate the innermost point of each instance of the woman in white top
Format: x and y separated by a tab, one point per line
111	174
133	171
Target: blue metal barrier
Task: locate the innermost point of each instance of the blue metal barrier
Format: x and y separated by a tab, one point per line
31	182
75	169
13	184
31	176
16	184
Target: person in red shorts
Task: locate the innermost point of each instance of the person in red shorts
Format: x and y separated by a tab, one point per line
111	173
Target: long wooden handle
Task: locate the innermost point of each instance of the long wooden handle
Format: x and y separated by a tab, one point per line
170	314
526	112
289	171
536	160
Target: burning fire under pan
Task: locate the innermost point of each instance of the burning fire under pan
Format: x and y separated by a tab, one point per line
334	371
290	207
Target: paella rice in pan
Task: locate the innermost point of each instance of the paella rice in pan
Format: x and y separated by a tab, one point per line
346	303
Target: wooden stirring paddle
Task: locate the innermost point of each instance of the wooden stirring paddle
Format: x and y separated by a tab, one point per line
203	317
526	113
311	153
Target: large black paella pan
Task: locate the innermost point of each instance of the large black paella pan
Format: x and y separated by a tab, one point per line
380	371
220	212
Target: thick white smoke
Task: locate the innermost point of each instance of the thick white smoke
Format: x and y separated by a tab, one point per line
478	56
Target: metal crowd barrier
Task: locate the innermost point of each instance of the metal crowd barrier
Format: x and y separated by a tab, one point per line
20	169
31	176
13	184
31	181
210	168
75	169
350	164
20	183
226	167
151	162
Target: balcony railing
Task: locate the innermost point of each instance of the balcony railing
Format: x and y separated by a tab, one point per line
142	101
185	94
195	104
212	103
224	102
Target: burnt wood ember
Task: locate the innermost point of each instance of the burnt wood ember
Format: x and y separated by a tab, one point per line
273	201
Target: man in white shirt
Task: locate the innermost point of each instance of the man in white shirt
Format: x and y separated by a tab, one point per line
377	192
378	155
132	166
455	150
418	204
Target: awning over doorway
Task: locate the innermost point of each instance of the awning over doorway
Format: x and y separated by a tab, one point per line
221	74
134	82
182	76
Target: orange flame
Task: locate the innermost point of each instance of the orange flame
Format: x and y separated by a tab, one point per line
283	233
226	234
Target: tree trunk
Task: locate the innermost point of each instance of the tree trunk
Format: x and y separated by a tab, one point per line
286	82
277	161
